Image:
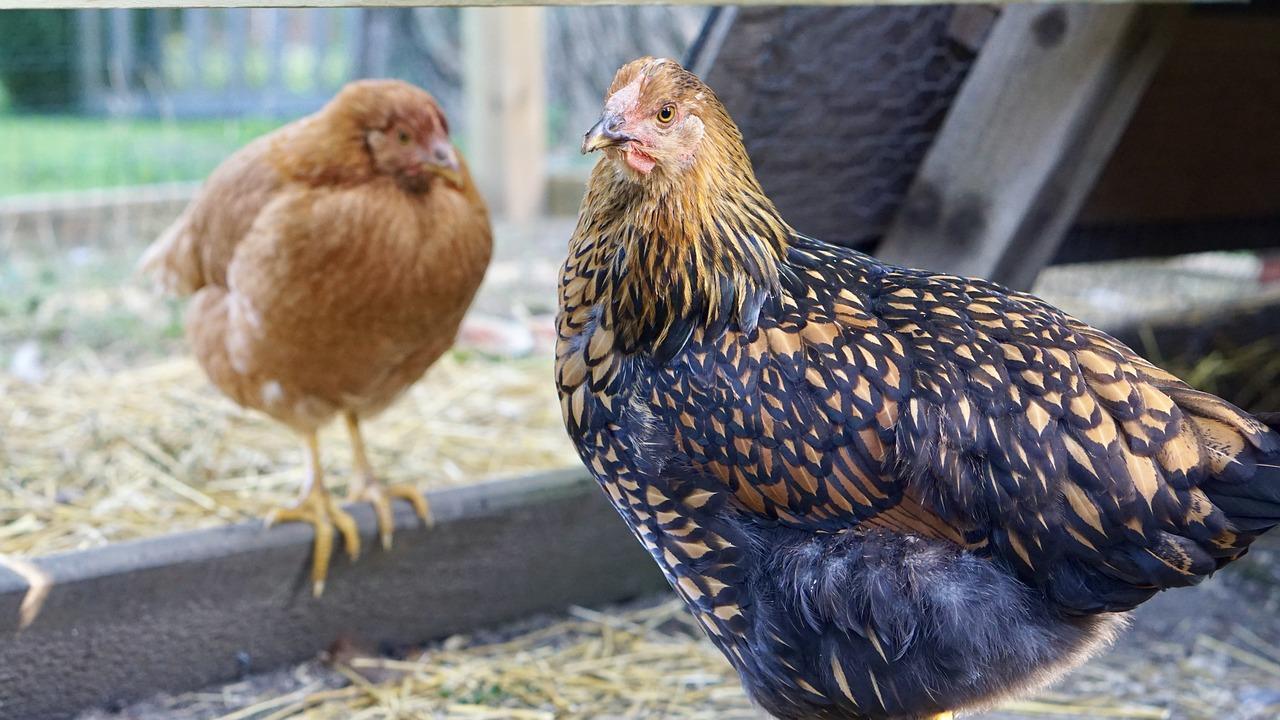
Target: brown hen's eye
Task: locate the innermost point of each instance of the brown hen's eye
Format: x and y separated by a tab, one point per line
667	114
404	138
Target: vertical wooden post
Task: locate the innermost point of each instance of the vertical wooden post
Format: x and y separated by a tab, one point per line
504	83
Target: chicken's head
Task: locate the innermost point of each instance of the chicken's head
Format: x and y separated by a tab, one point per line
657	120
406	133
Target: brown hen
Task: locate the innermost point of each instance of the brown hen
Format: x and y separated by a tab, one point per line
883	492
331	263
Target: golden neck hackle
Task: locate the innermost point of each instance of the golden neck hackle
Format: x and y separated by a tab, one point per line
687	246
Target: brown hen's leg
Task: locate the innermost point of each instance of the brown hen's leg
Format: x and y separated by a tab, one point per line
318	508
367	487
944	716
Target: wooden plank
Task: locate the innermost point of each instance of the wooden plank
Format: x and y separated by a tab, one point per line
1030	130
115	624
504	85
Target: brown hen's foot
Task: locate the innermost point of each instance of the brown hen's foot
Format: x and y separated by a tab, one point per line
944	716
375	493
323	514
318	509
367	487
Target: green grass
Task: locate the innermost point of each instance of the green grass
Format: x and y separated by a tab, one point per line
42	153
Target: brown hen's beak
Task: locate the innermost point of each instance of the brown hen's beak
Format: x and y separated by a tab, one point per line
442	160
605	133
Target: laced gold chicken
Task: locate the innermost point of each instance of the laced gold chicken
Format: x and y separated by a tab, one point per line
883	492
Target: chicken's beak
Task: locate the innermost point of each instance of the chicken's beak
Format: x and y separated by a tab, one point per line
605	133
441	159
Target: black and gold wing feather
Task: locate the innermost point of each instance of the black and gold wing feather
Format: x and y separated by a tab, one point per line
870	396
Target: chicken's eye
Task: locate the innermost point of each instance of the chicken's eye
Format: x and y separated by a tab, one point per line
667	114
404	138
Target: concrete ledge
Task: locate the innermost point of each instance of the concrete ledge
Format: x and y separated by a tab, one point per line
180	612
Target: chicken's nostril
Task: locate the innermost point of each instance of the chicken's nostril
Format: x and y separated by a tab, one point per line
613	124
440	154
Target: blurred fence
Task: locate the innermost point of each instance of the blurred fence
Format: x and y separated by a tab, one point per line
131	108
200	63
278	63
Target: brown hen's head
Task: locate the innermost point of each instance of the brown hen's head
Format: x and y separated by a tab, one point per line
661	125
402	130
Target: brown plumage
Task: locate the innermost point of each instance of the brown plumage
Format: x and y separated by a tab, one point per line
331	263
884	493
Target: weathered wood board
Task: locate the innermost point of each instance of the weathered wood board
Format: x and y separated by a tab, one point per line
1030	130
181	612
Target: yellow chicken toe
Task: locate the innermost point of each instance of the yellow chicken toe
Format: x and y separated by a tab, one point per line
372	491
318	509
369	489
414	497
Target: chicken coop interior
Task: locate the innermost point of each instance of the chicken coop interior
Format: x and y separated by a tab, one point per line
1119	161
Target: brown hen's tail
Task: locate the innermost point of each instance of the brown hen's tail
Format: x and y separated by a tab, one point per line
173	260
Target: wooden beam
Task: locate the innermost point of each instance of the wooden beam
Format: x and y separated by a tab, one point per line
1032	126
115	624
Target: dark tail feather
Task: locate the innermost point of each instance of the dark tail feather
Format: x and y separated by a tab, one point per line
1252	504
1251	501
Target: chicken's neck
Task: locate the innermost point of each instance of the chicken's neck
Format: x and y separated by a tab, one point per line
702	252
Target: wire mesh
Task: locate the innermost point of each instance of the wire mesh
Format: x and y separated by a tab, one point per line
874	83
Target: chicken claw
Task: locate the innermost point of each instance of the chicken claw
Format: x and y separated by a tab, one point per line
372	491
367	487
318	509
322	513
